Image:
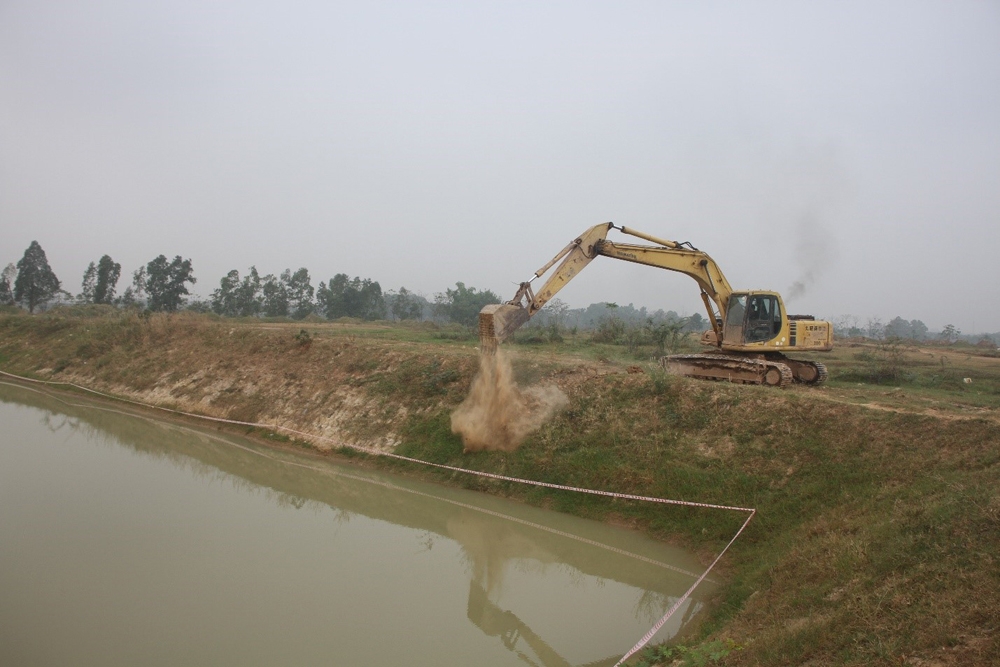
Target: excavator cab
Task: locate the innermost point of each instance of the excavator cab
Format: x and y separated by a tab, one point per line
752	317
763	318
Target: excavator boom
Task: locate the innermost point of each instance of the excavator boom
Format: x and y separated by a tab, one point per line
498	322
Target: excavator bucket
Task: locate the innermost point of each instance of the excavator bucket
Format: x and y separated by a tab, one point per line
497	322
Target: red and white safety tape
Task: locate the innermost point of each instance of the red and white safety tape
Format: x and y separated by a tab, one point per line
517	480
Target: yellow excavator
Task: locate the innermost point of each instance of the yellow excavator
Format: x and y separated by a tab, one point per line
751	331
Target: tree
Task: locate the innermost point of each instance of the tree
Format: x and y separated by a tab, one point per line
950	334
223	298
610	328
275	296
345	297
847	326
551	320
667	335
404	305
696	323
300	292
166	282
332	299
248	298
134	295
875	328
6	282
557	309
236	298
440	308
36	284
370	300
86	294
898	328
463	304
108	273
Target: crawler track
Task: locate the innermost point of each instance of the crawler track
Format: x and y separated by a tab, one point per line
805	372
729	368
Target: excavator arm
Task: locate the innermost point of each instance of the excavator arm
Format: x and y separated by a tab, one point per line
498	321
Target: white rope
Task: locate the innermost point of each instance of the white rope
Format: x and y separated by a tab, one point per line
375	452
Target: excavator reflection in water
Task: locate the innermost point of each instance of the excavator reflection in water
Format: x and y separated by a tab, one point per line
497	622
512	631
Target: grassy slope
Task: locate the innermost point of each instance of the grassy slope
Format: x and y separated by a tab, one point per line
878	519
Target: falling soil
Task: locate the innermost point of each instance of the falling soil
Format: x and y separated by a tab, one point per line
497	415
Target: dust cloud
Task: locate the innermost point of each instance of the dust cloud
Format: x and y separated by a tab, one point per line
497	414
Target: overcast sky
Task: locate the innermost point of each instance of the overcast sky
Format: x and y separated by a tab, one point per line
852	146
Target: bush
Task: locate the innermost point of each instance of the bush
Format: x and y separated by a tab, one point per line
303	339
884	362
609	330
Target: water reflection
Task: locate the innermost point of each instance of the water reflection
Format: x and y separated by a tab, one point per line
550	589
497	622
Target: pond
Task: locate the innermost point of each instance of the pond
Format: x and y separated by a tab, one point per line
128	540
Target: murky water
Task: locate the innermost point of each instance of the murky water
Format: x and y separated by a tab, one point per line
127	541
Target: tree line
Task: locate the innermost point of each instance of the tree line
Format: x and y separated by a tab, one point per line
849	326
161	285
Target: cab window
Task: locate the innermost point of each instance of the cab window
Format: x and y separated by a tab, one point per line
735	312
763	320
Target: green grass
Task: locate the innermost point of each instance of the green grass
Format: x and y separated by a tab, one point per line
933	372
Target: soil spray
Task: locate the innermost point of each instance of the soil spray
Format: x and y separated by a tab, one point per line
497	414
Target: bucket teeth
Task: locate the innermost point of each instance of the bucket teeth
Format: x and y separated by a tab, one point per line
497	322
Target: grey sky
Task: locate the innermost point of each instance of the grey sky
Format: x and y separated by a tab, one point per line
853	147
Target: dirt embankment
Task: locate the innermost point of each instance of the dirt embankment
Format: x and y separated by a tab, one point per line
325	380
341	388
